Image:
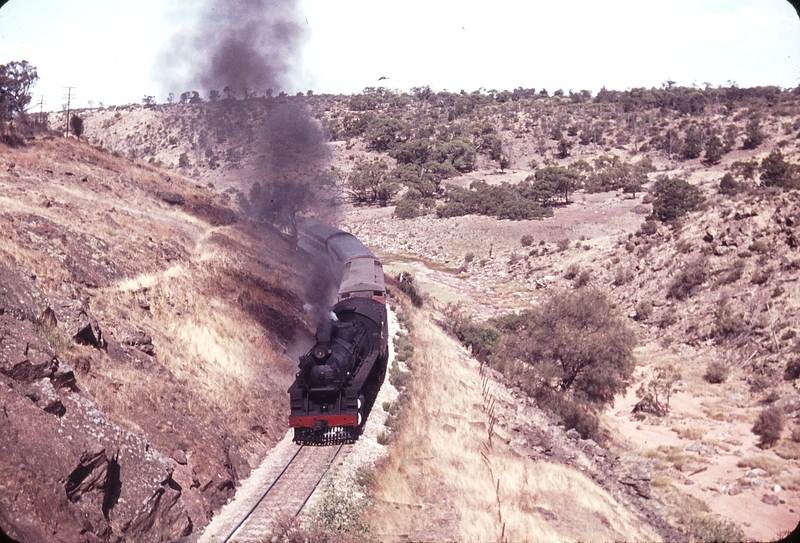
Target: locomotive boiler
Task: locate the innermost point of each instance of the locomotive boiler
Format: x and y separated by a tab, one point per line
339	378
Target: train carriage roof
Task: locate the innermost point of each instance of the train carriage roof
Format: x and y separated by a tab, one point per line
363	273
339	244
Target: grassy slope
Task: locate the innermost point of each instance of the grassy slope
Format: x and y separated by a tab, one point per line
218	298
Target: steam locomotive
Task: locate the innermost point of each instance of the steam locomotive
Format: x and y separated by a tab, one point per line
339	378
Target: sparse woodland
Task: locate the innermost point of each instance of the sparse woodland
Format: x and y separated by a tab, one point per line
581	247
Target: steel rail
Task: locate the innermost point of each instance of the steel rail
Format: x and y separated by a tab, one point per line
311	492
264	495
321	475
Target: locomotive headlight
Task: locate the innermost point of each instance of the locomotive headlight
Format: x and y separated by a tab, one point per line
319	352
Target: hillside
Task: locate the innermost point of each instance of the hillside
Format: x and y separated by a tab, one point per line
148	405
712	293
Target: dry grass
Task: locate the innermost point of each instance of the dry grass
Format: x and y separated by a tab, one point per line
215	363
675	455
689	432
789	450
444	480
789	481
768	463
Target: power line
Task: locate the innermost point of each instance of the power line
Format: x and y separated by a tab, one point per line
69	95
41	104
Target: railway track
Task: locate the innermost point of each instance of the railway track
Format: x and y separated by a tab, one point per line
252	518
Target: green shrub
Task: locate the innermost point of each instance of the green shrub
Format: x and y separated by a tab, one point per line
504	201
735	272
622	276
760	277
578	416
768	426
479	337
668	317
759	247
583	279
365	476
399	378
407	285
572	271
792	370
644	310
403	348
687	280
710	530
648	228
526	240
716	372
341	512
407	209
777	172
574	343
674	198
729	186
728	323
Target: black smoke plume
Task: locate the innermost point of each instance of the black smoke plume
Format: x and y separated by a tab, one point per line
253	47
292	167
239	44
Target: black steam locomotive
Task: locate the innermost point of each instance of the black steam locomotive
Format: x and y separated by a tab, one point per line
340	376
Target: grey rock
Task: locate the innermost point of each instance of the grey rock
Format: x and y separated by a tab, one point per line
634	471
788	404
136	338
73	318
179	456
697	446
771	499
172	198
24	355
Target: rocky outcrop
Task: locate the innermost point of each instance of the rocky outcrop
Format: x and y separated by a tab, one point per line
67	473
24	356
635	472
82	477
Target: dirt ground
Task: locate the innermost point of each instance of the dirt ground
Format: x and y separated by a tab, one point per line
434	251
710	467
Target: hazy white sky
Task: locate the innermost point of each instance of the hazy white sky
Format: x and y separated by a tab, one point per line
106	48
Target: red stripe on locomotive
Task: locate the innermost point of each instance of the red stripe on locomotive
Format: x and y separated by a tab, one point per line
332	420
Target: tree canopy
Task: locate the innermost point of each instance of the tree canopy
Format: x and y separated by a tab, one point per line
674	198
573	344
16	81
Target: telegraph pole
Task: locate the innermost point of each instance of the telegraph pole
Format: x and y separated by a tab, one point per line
41	103
68	96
